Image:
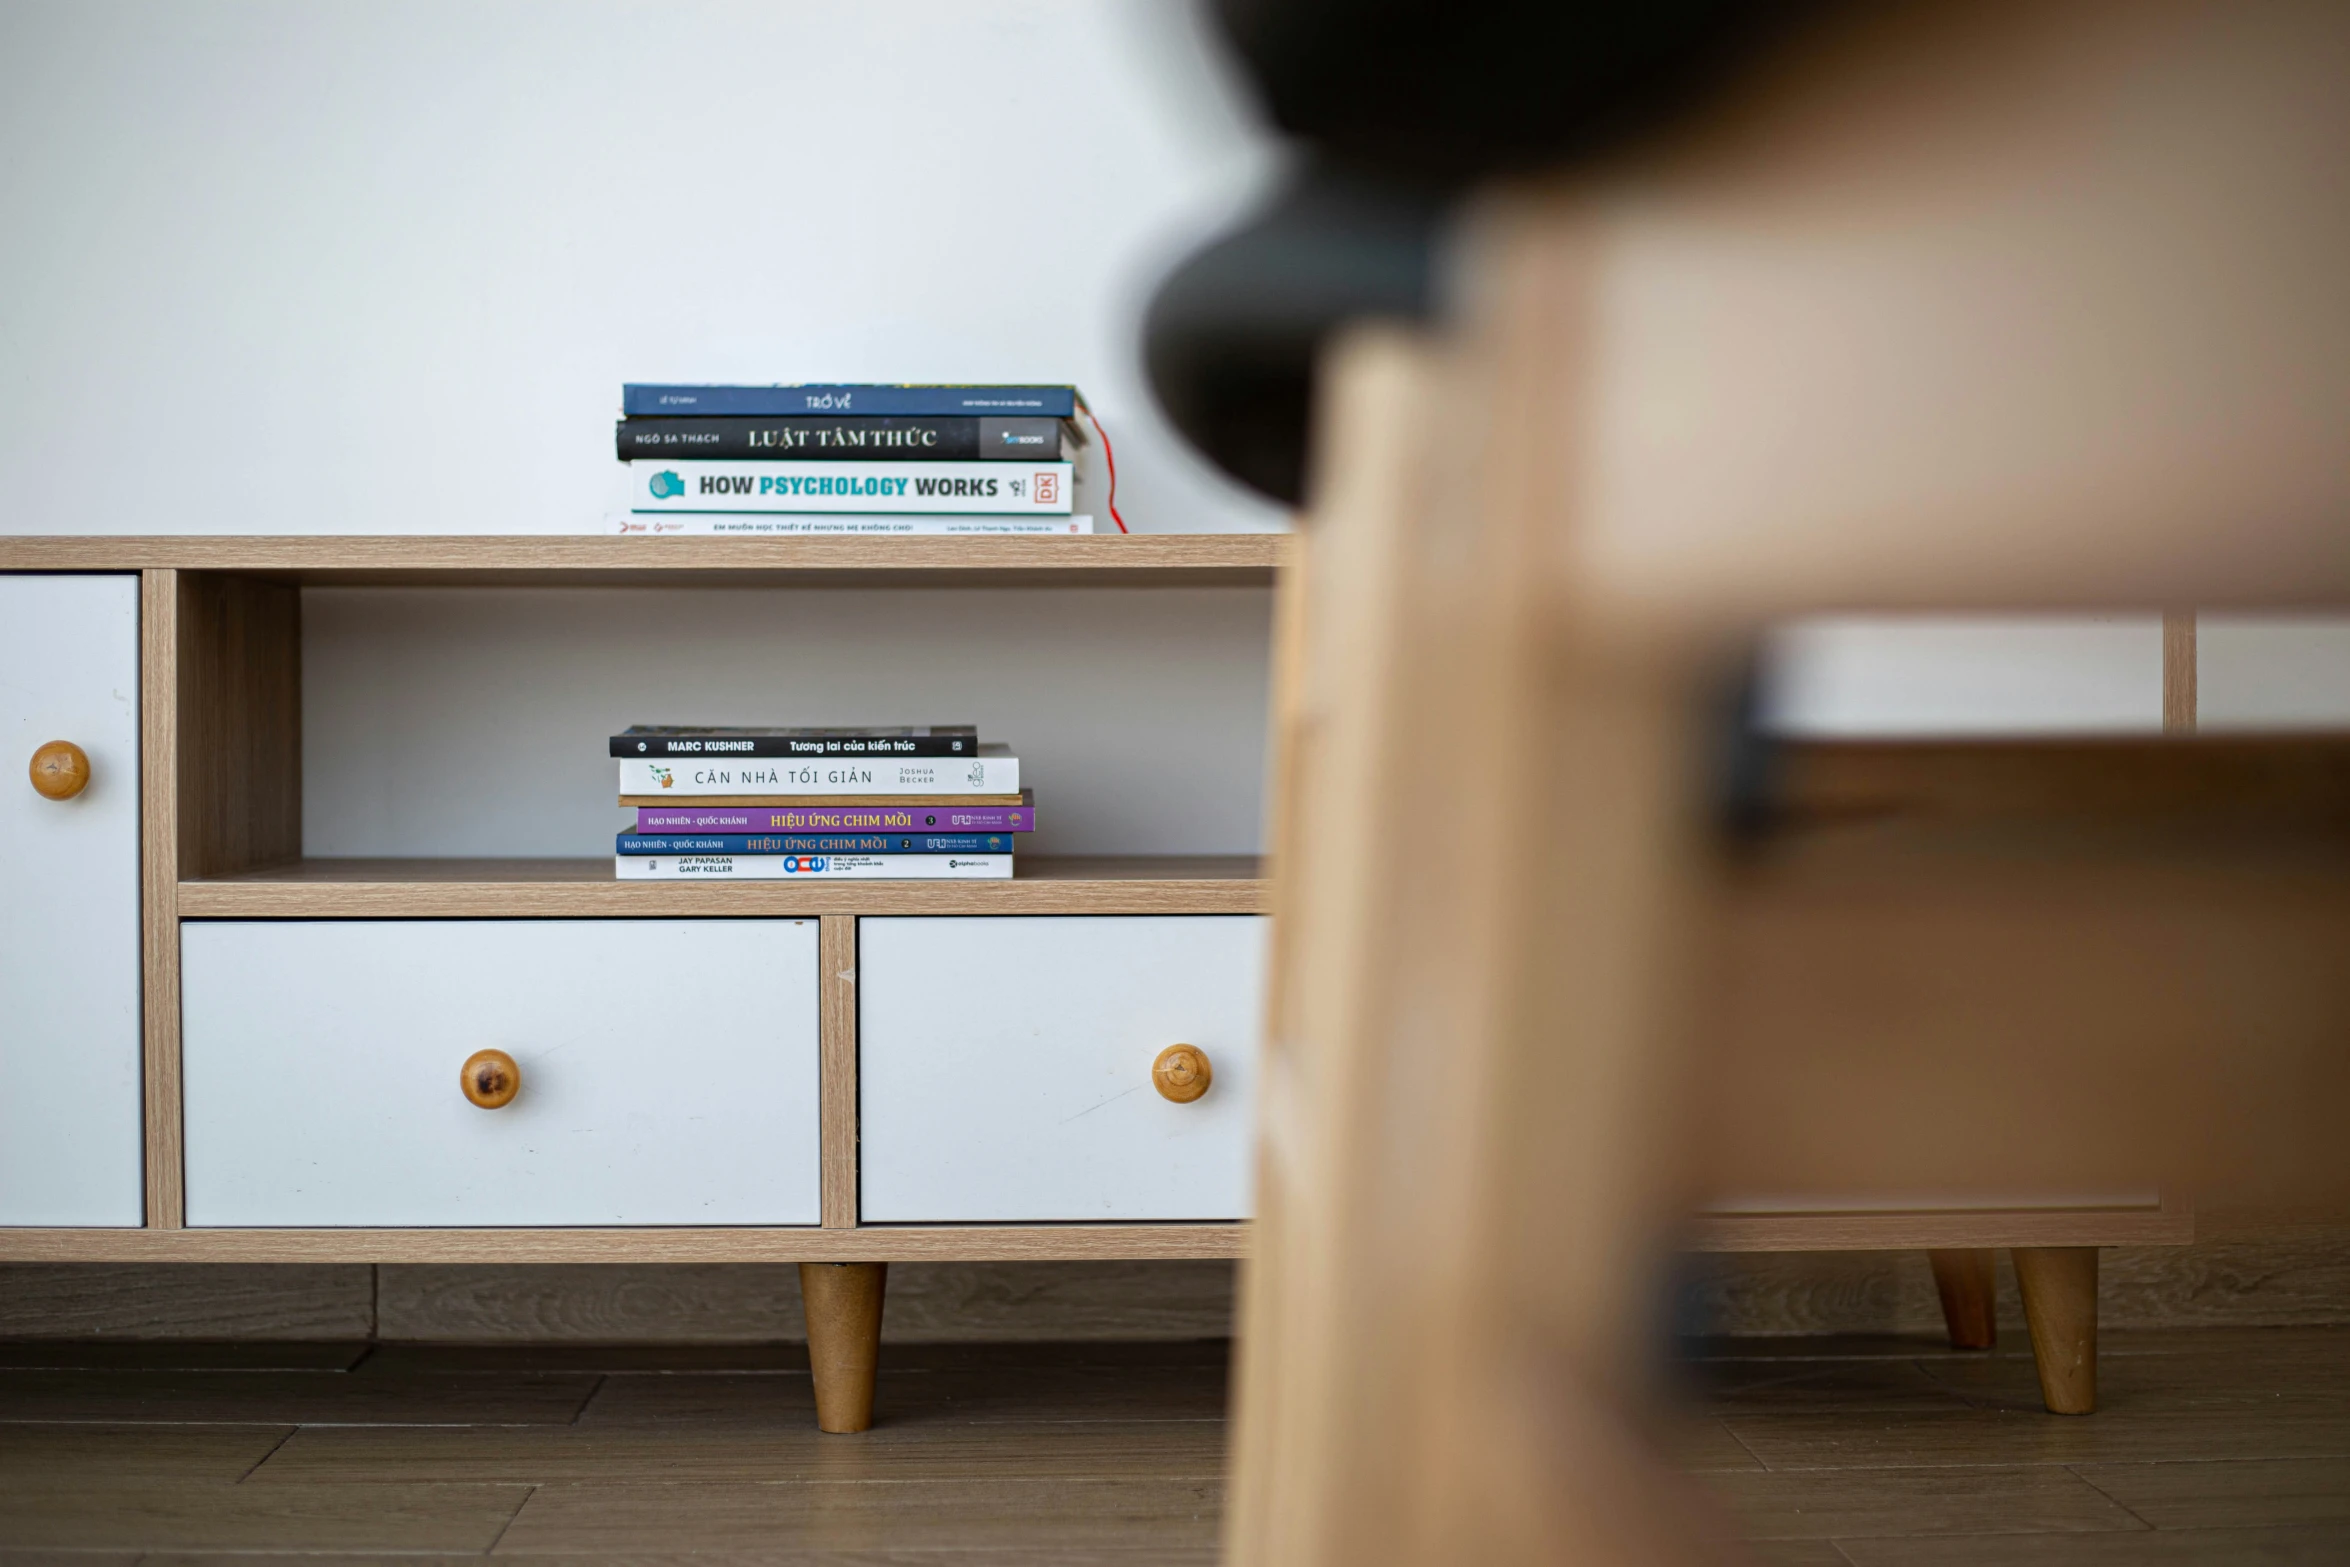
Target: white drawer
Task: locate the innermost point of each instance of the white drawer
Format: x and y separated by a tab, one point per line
70	1145
668	1072
1004	1067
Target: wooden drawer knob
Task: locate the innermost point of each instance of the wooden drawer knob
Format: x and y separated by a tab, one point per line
491	1078
61	770
1182	1073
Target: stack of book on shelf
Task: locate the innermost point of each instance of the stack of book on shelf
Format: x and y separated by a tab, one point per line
851	459
923	803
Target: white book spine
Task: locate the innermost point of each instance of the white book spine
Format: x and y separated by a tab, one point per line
812	867
1039	489
786	525
685	777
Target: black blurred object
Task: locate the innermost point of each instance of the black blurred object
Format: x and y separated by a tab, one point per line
1400	105
1446	91
1231	335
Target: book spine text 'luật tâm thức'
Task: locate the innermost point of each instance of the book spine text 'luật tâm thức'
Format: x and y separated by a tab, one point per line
784	439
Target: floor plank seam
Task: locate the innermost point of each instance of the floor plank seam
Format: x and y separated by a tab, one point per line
1744	1446
528	1492
593	1394
274	1447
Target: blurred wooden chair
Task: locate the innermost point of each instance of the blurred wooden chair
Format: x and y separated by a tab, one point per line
1983	308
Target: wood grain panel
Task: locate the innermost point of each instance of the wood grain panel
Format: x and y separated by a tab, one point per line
1006	1302
2064	981
2230	1283
2304	1278
585	889
2170	1225
240	723
2273	1282
1757	1294
757	1303
2215	779
1166	559
2303	1370
2179	671
159	872
185	1301
890	1243
612	1303
836	1000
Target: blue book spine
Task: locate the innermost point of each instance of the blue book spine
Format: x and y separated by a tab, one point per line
814	843
767	402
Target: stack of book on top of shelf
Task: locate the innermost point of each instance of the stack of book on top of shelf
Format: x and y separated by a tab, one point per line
851	459
919	803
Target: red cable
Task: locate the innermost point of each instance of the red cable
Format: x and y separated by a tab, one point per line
1111	458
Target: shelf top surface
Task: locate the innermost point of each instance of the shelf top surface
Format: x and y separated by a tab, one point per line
587	888
1172	559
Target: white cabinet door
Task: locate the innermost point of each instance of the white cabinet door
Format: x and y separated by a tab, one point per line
668	1072
70	1143
1004	1067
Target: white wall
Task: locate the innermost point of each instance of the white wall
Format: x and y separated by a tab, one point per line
287	266
291	266
472	720
1860	675
2272	672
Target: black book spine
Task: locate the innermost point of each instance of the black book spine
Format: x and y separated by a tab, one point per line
636	746
790	439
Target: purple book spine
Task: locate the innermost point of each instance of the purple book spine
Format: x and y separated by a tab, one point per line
835	818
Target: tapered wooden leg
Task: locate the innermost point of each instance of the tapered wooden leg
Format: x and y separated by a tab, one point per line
1967	1281
2059	1285
843	1304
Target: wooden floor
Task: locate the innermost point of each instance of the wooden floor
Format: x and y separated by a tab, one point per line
2215	1446
2212	1446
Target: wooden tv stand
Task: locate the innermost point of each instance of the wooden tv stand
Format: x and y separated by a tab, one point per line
236	1054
